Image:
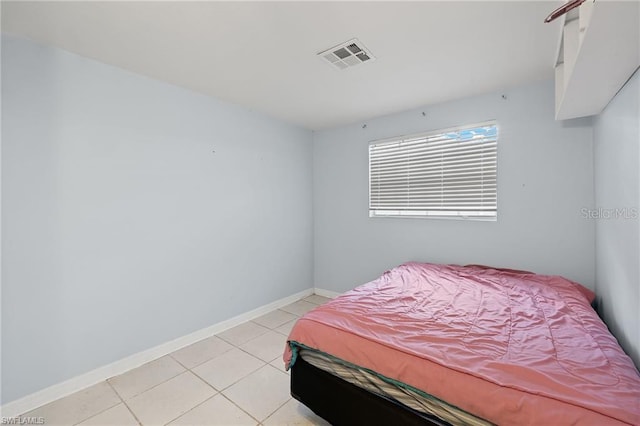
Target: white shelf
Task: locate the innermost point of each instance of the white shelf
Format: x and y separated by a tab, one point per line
599	50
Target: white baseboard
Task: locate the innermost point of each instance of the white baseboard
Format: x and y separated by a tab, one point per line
60	390
326	293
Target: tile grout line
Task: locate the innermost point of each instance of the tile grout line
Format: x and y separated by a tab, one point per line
275	310
204	362
274	328
193	408
98	413
125	402
152	387
285	403
246	375
221	392
239	407
248	353
261	422
187	369
206	383
280	325
179	363
202	379
106	409
230	343
47	402
233	344
132	413
190	370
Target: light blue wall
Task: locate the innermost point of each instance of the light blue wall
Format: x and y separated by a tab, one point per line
617	186
121	228
545	178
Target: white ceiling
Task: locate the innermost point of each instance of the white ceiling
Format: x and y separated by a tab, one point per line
262	55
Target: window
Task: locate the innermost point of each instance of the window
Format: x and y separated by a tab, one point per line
448	173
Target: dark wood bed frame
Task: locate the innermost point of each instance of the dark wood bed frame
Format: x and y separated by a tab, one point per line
342	403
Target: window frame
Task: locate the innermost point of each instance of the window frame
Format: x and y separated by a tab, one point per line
434	214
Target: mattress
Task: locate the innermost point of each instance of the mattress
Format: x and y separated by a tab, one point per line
391	389
509	347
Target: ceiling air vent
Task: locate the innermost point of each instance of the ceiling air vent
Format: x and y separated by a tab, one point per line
347	54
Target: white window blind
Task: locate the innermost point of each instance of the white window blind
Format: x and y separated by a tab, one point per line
448	173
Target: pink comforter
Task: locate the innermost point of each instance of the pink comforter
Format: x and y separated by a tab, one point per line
508	346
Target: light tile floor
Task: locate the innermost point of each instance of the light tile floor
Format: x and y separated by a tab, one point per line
234	378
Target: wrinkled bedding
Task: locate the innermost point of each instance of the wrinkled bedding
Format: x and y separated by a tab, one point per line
511	347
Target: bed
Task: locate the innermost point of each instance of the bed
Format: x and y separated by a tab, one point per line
463	345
